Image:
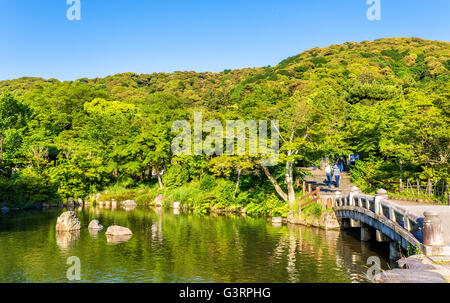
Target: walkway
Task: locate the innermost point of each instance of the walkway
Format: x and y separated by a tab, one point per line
319	179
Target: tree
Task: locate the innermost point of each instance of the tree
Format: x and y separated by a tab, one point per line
225	165
12	116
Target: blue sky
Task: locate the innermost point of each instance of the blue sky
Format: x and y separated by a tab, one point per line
173	35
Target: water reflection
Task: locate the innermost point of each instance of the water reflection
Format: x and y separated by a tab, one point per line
181	248
128	208
67	239
114	240
94	232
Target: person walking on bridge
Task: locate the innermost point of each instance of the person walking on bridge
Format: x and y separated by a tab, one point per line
337	174
340	163
329	176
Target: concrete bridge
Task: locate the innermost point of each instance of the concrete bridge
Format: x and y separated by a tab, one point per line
405	225
385	221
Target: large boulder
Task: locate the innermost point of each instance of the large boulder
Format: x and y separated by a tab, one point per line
115	230
95	225
68	221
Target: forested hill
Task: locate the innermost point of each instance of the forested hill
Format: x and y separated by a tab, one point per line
387	99
389	60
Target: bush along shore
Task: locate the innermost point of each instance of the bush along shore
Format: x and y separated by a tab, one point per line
216	196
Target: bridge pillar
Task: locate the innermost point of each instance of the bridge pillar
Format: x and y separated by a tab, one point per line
336	197
394	251
381	194
355	223
344	223
432	229
354	191
380	237
365	233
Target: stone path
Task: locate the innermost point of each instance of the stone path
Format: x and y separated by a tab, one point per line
320	179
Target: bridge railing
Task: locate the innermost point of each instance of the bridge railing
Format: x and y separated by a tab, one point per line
379	205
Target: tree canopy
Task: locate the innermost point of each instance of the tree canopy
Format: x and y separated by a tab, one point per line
387	99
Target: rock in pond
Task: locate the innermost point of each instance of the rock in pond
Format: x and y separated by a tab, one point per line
277	220
115	230
95	224
129	203
68	221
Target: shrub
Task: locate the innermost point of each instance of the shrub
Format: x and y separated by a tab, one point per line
145	198
26	189
176	176
313	209
207	183
224	192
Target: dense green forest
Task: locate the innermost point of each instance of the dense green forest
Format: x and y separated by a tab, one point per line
387	99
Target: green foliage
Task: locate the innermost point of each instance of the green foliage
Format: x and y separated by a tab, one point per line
319	61
394	54
386	100
273	206
145	199
207	183
26	189
313	209
413	250
176	176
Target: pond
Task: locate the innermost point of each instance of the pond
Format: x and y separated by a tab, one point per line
168	247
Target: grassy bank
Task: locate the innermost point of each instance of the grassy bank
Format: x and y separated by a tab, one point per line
209	195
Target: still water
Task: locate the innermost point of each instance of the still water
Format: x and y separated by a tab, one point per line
169	247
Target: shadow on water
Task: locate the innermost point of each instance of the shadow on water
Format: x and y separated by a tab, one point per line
179	247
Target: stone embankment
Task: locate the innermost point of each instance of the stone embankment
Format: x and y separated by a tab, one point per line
418	269
327	220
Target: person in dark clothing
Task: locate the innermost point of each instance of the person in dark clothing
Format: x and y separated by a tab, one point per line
341	165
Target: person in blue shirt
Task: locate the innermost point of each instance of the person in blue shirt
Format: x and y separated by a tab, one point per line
337	174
